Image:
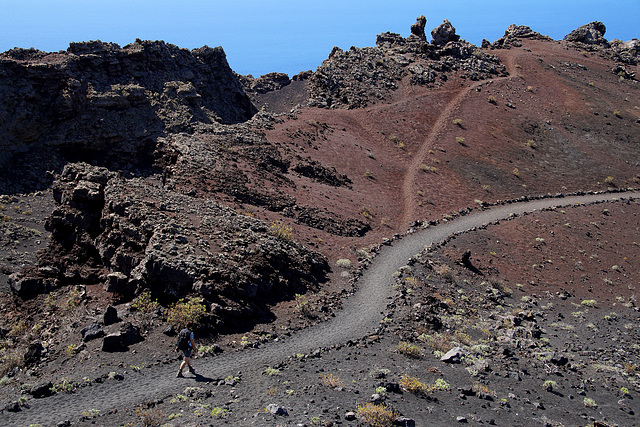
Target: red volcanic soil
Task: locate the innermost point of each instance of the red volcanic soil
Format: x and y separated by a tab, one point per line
427	153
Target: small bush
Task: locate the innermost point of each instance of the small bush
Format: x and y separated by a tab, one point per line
549	385
71	349
218	412
438	341
415	386
376	415
428	168
282	230
618	114
589	403
460	140
65	386
272	371
332	381
457	122
91	413
183	312
441	384
589	302
9	361
492	100
150	417
144	303
482	390
408	349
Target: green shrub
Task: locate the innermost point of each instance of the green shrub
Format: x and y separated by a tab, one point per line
183	312
282	230
415	386
408	349
376	415
333	381
144	303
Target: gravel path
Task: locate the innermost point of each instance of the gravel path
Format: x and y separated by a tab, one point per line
361	316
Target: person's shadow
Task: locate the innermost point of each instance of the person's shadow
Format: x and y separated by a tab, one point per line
202	379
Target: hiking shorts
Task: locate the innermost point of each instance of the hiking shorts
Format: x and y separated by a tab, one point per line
187	352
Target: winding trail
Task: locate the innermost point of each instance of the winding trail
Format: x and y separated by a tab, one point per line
361	316
445	118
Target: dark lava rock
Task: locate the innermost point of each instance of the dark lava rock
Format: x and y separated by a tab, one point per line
417	29
92	332
41	390
591	33
130	334
100	102
110	316
113	343
33	354
443	34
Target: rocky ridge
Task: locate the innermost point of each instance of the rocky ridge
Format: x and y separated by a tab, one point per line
97	102
362	76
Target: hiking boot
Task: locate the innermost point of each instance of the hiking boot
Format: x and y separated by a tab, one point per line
179	375
193	371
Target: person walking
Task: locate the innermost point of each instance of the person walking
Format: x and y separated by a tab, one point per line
186	344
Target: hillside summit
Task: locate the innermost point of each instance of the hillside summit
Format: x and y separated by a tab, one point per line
137	177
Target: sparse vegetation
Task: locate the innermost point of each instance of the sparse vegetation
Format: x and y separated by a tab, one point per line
427	168
272	371
218	412
282	230
185	311
333	381
65	386
409	350
492	100
415	386
460	140
150	416
145	303
376	415
457	122
589	403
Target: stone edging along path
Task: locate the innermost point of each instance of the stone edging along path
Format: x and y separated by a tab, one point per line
360	316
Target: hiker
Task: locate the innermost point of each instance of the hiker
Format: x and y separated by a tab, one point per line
186	344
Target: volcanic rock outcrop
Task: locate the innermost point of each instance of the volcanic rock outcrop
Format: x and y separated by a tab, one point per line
362	76
100	103
591	33
131	235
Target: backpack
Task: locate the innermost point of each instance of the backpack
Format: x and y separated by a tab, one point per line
183	339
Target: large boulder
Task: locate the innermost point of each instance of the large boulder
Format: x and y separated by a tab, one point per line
92	332
591	33
443	34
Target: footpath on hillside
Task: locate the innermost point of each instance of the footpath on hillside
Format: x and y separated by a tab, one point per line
361	315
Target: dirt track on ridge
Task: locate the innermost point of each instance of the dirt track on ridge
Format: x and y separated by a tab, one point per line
361	314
